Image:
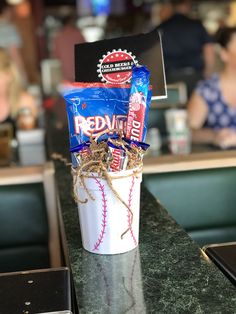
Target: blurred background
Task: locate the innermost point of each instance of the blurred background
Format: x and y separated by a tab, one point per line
39	21
37	40
40	36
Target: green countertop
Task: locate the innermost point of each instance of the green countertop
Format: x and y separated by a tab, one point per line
167	273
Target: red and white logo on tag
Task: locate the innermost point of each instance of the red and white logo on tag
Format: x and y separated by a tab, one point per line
116	66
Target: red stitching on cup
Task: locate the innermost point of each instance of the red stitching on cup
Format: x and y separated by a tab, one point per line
104	214
128	213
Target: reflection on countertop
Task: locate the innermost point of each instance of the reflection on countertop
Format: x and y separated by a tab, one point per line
118	278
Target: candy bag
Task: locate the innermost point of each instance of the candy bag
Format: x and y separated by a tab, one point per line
95	107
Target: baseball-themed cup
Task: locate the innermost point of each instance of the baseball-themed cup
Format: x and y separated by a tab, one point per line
109	219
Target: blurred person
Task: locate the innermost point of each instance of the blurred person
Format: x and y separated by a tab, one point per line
212	107
188	49
160	12
10	38
63	46
13	99
165	11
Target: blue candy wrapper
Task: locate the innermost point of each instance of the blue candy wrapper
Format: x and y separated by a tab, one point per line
95	107
78	152
143	146
138	104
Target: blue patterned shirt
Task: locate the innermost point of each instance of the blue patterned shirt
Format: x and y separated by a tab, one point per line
220	114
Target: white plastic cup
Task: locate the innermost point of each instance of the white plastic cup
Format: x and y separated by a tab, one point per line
176	120
180	143
104	219
154	139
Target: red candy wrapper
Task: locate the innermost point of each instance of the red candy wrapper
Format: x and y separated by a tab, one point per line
119	158
138	104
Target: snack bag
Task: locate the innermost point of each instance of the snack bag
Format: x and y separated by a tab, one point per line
95	107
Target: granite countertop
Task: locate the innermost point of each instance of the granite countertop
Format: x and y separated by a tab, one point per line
167	273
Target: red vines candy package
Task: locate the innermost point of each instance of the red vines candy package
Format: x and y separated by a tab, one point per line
94	108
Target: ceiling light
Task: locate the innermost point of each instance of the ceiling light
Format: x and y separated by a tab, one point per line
14	2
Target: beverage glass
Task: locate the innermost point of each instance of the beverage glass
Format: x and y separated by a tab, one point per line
179	135
6	133
176	120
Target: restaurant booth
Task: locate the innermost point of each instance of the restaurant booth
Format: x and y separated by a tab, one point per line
199	194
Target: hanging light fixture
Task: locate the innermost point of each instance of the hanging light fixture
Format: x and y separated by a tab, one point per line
14	2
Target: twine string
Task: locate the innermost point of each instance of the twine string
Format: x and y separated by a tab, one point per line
59	157
95	164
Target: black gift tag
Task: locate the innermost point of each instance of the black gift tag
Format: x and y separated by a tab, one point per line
111	60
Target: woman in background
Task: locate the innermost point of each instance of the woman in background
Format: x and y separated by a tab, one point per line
13	98
10	38
212	107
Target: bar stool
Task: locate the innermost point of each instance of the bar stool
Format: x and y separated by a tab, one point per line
37	291
223	255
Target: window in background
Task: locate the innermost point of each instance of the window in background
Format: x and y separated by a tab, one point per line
214	14
92	18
